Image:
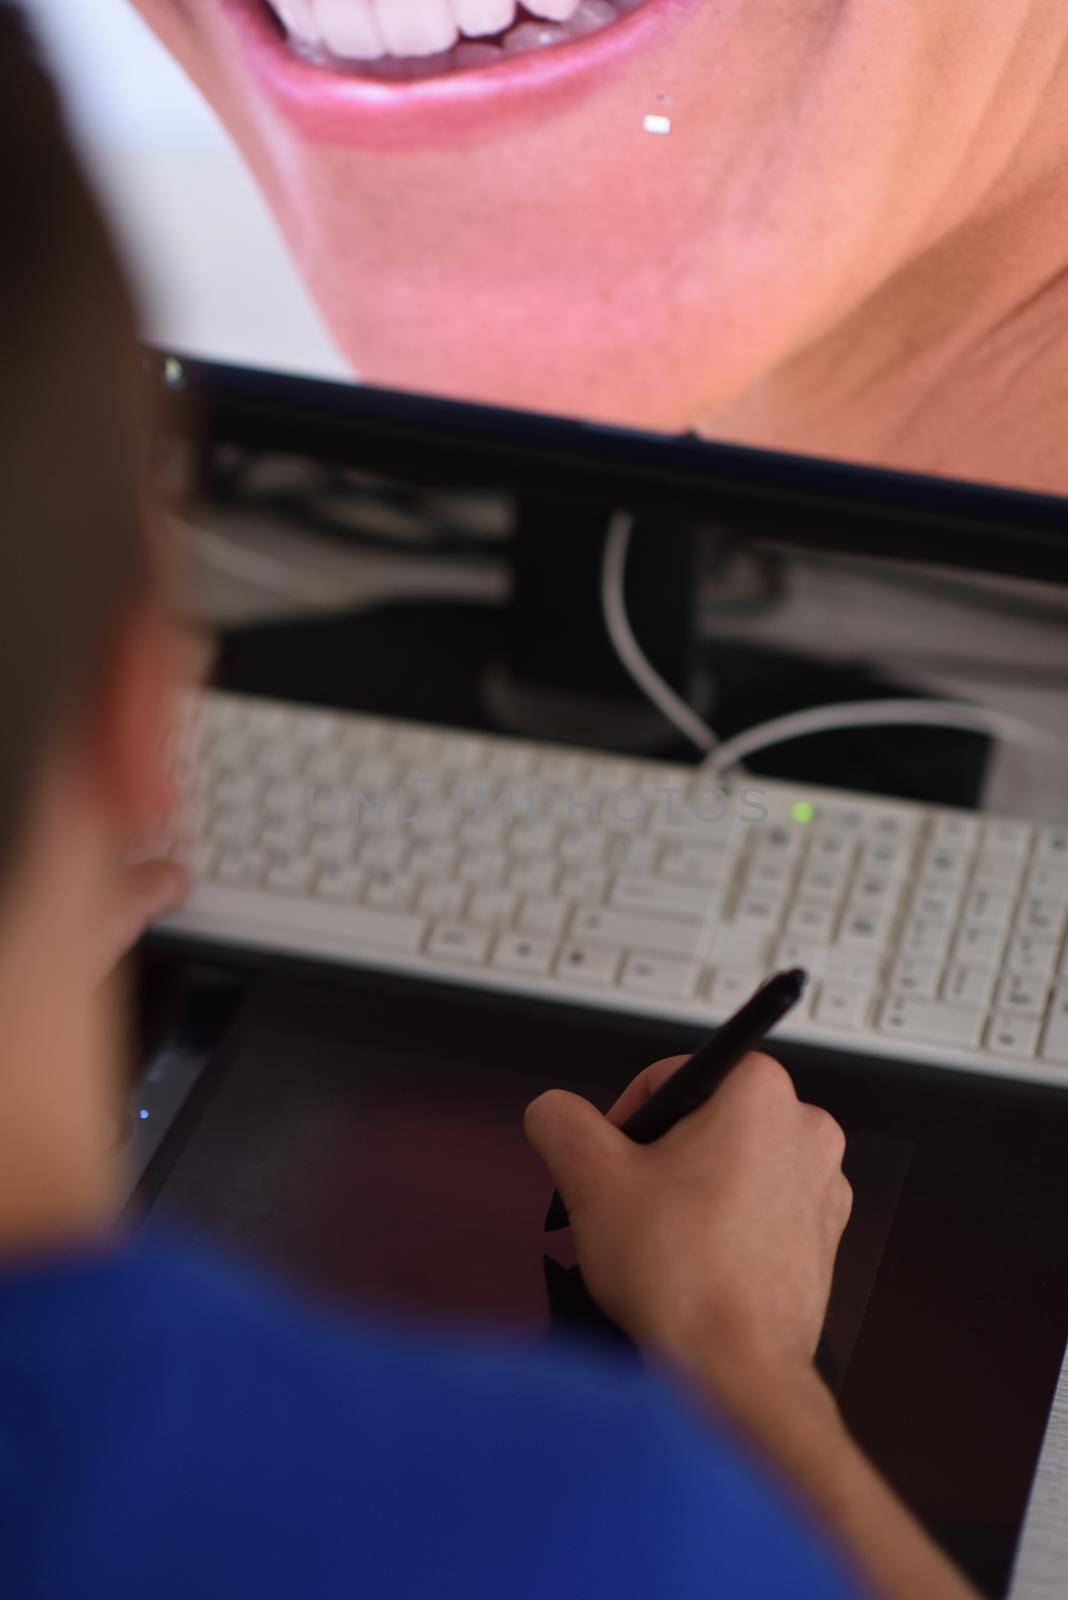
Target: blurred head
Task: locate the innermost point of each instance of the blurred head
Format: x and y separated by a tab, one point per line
79	622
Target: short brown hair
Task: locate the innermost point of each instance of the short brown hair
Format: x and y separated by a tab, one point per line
73	554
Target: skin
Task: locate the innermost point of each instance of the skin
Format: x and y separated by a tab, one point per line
851	243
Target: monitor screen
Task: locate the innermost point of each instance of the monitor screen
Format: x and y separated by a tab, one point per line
832	229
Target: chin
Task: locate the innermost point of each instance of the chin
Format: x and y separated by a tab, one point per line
611	210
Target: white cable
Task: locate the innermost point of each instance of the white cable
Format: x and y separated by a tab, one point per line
269	573
999	725
630	652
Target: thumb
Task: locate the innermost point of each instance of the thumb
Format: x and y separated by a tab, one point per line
574	1140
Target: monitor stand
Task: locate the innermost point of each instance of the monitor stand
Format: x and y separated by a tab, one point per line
543	666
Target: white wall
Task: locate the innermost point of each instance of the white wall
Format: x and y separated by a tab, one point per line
188	216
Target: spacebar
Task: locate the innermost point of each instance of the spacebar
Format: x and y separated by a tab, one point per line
283	914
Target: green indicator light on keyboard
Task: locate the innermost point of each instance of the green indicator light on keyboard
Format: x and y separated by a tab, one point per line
803	811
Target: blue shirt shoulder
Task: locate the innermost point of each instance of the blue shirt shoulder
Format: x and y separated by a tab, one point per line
172	1428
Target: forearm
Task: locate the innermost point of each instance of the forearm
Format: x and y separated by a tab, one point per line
799	1428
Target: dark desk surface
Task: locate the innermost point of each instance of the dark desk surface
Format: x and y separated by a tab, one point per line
364	1136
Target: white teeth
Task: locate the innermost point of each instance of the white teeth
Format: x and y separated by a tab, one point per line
413	38
476	18
552	10
416	27
349	28
591	17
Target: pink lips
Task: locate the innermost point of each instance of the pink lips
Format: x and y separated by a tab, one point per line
346	109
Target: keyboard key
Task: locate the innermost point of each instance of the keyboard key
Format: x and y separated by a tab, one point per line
731	987
892	825
433	860
690	865
887	857
936	904
843	1005
987	908
653	935
917	975
1055	1037
483	868
233	829
286	799
758	913
997	872
1031	955
240	868
354	929
493	907
524	952
856	966
445	900
812	922
956	829
340	883
944	866
814	958
1048	880
387	852
1023	996
533	839
773	876
586	963
658	976
1052	845
979	947
1042	916
588	848
454	941
483	831
236	793
779	842
587	885
660	895
333	846
932	1022
873	892
969	986
534	877
1005	838
1010	1035
292	876
863	930
542	914
834	850
392	891
823	884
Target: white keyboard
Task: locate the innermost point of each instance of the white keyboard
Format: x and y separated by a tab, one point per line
931	935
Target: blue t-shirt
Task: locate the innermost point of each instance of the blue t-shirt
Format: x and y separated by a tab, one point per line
173	1428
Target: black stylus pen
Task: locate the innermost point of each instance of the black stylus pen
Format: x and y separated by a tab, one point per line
699	1078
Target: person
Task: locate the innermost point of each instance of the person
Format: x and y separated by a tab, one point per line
170	1424
830	228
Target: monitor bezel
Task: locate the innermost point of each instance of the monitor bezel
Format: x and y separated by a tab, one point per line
809	501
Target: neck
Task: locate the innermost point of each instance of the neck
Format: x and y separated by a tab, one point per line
59	1055
958	362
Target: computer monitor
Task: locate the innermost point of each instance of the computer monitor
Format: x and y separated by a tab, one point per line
798	236
632	252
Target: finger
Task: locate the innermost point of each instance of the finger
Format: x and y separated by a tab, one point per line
827	1135
574	1140
641	1088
